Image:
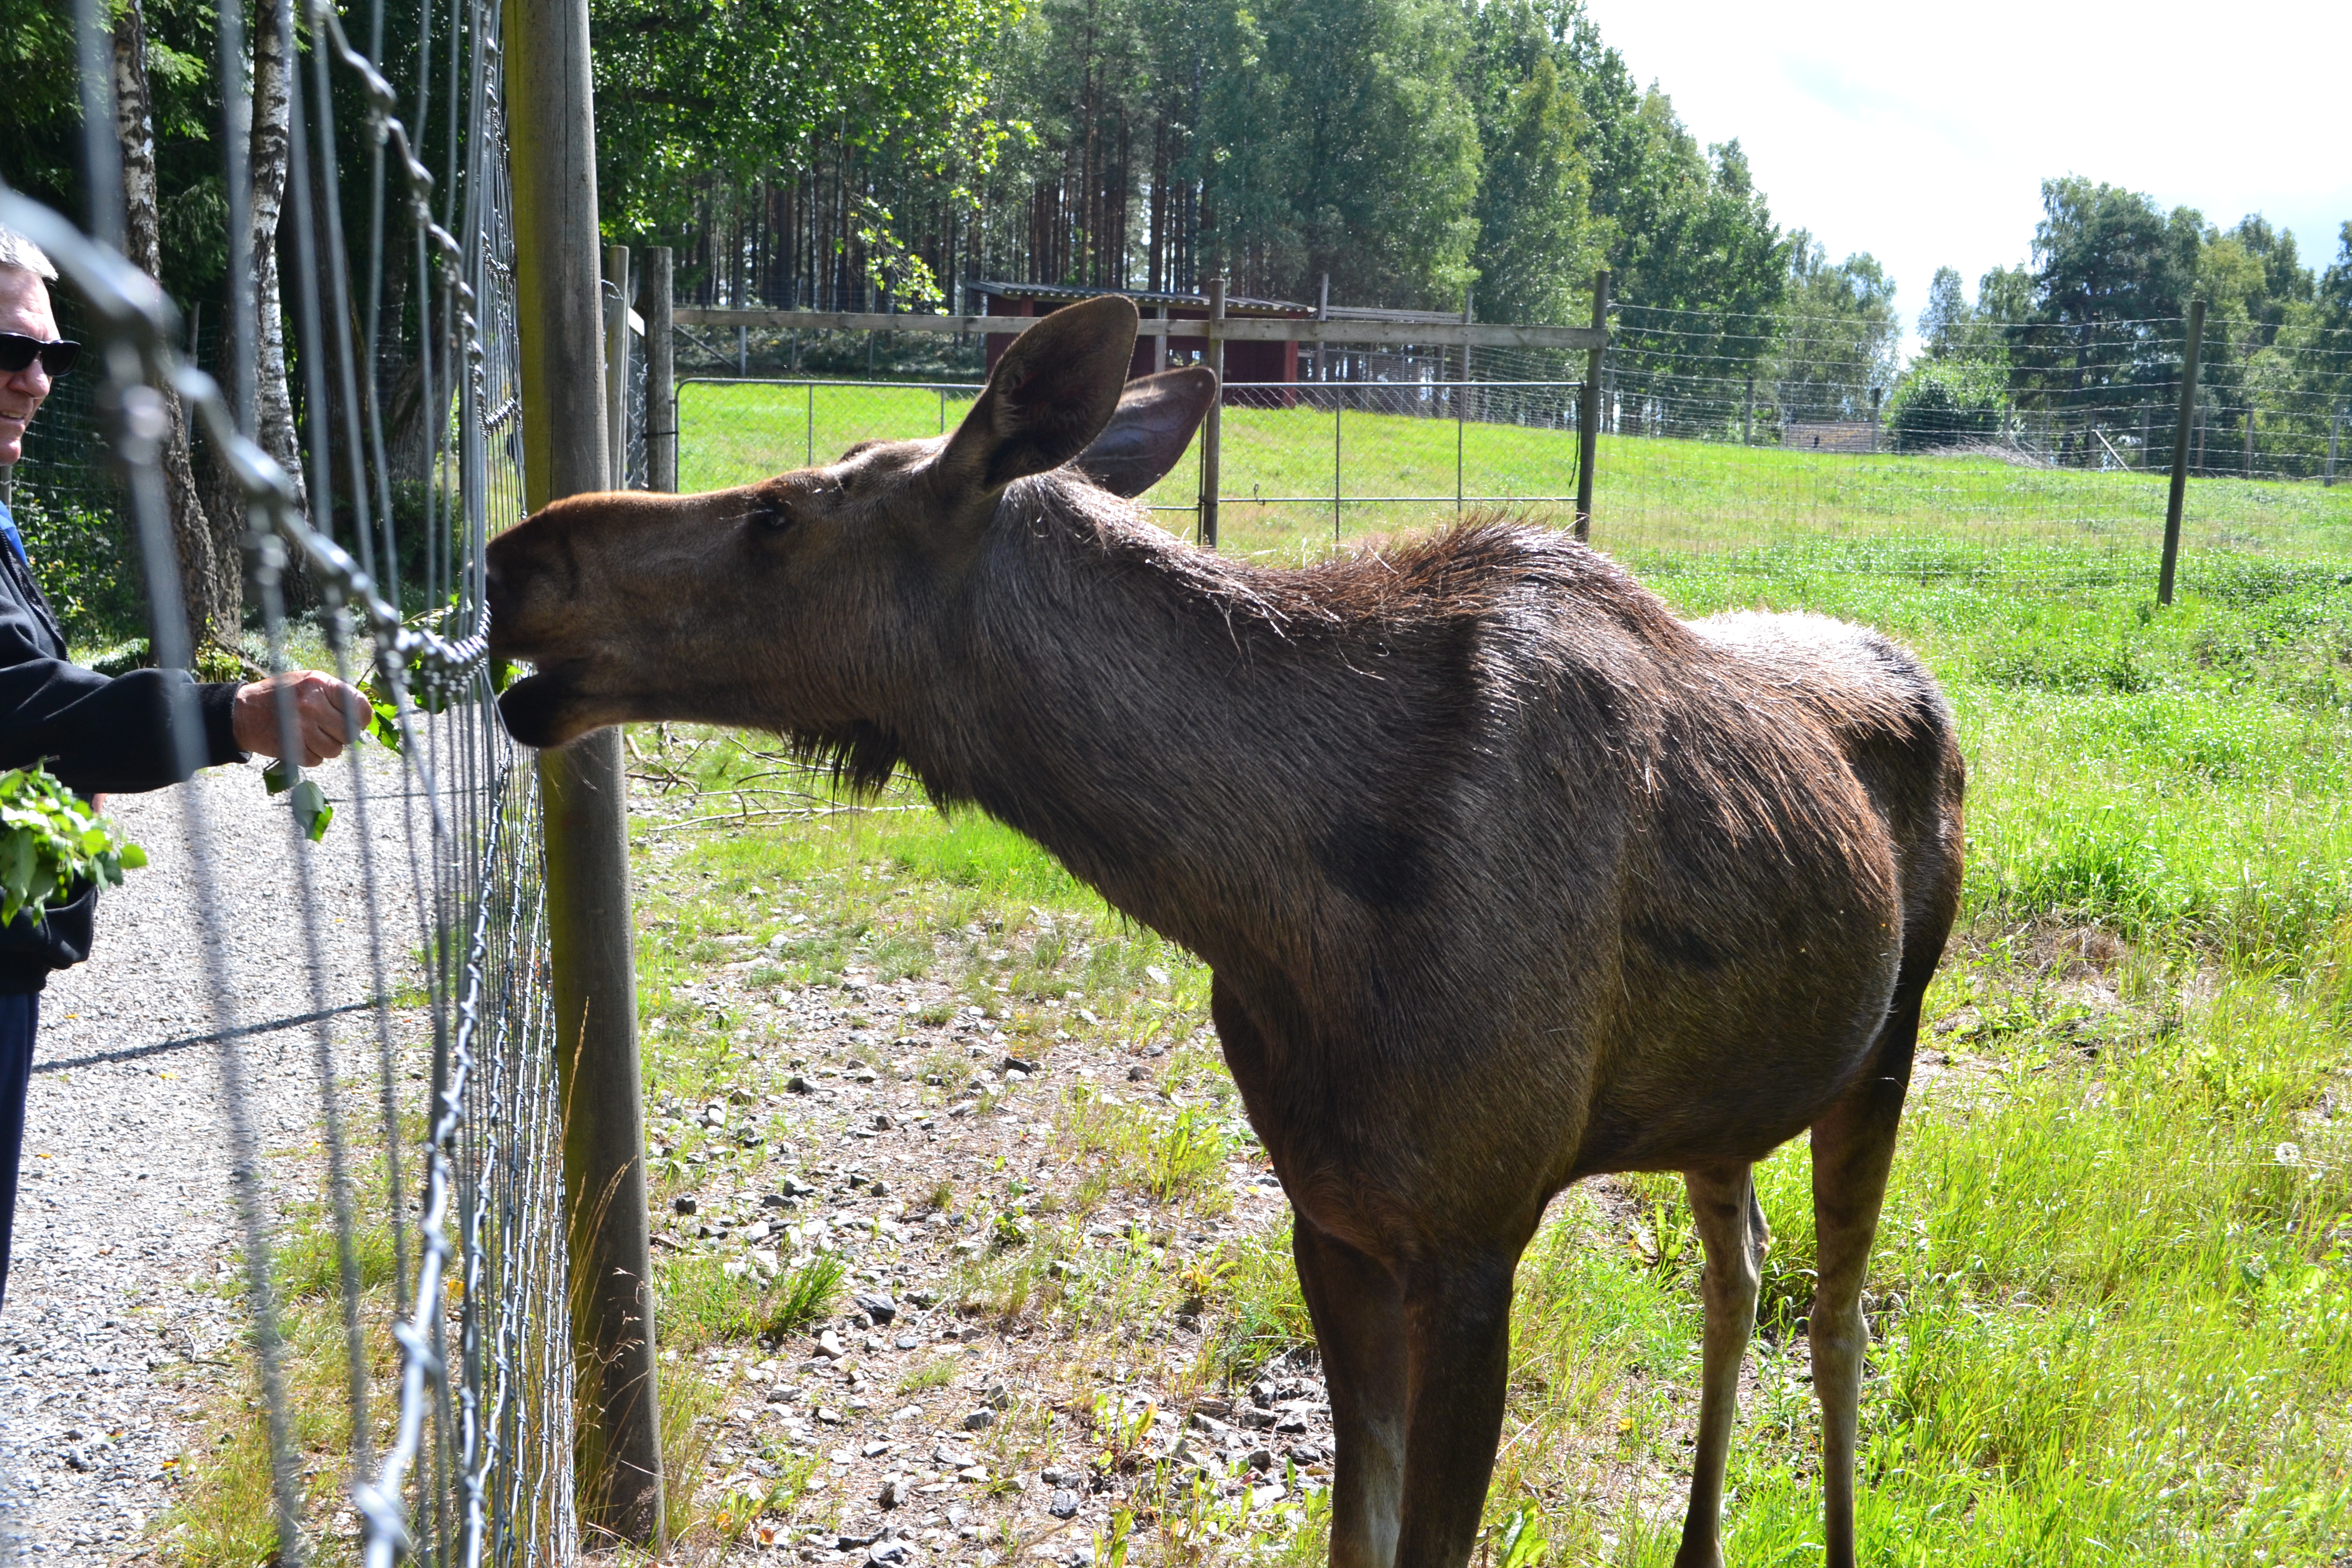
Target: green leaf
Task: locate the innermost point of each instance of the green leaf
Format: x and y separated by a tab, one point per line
280	776
311	810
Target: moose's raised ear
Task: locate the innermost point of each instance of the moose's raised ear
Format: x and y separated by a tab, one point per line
1155	419
1053	391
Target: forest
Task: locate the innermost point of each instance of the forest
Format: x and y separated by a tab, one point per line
1434	154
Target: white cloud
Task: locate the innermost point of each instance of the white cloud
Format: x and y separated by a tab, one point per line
1922	133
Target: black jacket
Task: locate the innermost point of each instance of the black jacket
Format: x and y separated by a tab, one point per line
97	733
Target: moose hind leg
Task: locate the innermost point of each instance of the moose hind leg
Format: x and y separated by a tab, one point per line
1853	1146
1358	1308
1731	1225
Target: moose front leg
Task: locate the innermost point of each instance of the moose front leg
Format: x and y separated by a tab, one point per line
1359	1313
1458	1343
1731	1227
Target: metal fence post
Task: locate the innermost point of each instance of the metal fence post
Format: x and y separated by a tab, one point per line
1337	410
616	365
592	966
1588	432
661	373
1212	429
2180	430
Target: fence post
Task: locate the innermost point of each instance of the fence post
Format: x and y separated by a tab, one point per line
2334	428
1747	412
591	965
1339	410
1212	427
1876	393
661	374
1588	422
616	365
2180	450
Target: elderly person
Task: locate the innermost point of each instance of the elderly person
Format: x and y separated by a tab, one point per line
95	733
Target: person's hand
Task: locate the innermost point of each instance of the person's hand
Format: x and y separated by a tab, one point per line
320	705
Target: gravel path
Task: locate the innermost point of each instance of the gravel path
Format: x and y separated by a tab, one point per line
124	1320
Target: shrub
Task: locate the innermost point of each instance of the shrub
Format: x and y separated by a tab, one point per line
1944	403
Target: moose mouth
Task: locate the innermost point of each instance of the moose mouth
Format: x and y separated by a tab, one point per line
542	708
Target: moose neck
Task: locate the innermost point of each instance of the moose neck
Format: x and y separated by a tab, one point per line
1137	706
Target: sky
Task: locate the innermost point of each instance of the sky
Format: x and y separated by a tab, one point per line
1922	133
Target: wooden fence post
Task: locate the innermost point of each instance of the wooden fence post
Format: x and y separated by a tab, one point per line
591	963
2334	429
2181	431
661	373
1212	427
1588	446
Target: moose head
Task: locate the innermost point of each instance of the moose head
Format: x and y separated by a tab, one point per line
635	606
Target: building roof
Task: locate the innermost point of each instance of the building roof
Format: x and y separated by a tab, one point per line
1067	293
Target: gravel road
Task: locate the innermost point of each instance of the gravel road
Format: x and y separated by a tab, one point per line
123	1318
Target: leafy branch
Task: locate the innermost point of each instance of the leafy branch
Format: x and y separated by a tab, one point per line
50	841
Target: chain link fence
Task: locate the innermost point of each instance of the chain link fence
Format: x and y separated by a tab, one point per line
403	1273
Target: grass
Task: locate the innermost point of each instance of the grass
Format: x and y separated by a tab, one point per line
1654	493
2112	1298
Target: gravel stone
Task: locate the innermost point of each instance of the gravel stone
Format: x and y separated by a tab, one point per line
125	1323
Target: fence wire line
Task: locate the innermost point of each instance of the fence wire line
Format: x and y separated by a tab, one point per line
479	1462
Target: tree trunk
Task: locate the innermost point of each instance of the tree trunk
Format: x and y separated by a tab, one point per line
212	596
270	148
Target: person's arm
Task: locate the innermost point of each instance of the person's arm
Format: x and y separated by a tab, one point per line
114	735
96	733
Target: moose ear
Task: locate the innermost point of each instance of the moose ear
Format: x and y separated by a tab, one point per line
1155	419
1055	388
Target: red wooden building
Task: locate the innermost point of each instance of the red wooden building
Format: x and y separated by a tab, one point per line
1244	362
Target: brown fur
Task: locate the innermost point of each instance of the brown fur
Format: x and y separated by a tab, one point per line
1506	876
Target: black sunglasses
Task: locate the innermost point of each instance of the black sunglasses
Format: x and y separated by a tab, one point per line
18	351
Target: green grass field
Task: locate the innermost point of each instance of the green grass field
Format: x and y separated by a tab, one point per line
2112	1297
1685	496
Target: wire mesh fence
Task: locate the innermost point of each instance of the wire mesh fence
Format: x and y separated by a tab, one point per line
448	1434
2034	450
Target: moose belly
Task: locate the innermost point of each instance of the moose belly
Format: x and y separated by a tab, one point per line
1701	1072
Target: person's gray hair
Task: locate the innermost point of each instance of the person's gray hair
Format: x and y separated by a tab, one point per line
18	252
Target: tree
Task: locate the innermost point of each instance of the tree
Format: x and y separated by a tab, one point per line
1538	244
1339	141
1837	353
1944	321
697	99
210	589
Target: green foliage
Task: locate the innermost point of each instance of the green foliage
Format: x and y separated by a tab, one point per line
1944	402
693	95
1340	140
49	843
84	566
1842	334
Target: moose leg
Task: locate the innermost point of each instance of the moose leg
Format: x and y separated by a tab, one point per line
1731	1225
1853	1146
1359	1313
1458	1340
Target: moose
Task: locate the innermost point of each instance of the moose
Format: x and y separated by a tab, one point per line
1504	874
